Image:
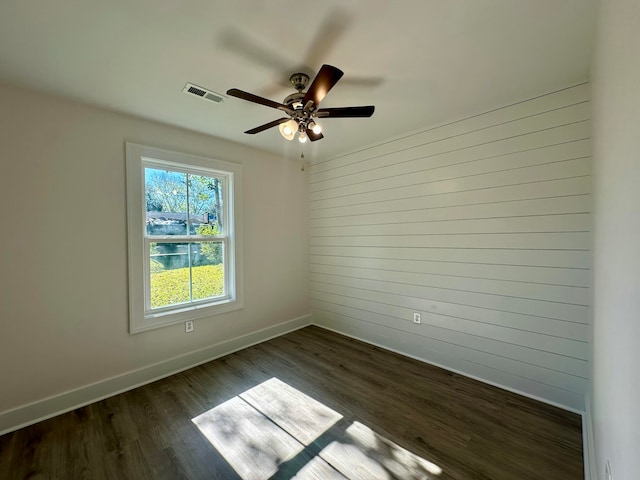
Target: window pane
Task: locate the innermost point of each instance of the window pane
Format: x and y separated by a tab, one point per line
205	205
169	274
208	270
166	197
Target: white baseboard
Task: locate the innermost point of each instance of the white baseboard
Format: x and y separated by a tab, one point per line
588	442
34	412
450	369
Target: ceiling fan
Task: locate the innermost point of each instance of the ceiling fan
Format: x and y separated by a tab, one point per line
302	107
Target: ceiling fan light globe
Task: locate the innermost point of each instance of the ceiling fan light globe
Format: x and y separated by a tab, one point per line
302	137
288	129
316	128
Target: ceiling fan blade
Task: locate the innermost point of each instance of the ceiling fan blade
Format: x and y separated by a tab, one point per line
254	50
362	82
266	126
327	77
250	97
345	112
329	34
314	136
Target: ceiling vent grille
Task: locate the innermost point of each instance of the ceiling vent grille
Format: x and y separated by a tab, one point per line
192	89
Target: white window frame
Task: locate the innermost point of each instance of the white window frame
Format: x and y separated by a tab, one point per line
141	316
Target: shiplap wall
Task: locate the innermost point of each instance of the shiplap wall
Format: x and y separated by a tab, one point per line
481	225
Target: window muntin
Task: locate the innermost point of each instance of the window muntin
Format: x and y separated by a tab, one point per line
184	238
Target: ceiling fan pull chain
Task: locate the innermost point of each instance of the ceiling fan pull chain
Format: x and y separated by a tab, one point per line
302	159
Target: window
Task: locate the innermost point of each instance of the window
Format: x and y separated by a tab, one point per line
183	216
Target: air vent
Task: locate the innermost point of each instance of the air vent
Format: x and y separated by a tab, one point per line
192	89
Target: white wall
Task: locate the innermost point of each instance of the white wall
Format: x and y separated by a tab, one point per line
616	325
483	226
63	268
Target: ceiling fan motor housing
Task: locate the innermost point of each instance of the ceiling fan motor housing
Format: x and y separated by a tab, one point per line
299	113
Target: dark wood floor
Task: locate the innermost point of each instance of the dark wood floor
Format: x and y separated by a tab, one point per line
308	405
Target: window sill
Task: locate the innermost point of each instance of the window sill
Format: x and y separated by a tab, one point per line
164	319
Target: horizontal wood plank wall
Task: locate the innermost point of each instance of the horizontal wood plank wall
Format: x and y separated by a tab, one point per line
481	225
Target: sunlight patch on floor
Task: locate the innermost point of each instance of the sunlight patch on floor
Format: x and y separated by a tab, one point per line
302	417
365	454
252	444
273	428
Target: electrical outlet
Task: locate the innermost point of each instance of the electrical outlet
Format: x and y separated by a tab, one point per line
416	317
188	326
607	471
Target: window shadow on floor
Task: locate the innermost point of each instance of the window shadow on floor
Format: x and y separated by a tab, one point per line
273	431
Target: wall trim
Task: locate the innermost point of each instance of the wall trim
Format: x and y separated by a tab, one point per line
459	372
39	410
588	442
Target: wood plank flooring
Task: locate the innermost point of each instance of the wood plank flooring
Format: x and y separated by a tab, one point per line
308	405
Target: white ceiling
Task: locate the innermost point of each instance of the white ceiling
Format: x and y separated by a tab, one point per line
420	62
